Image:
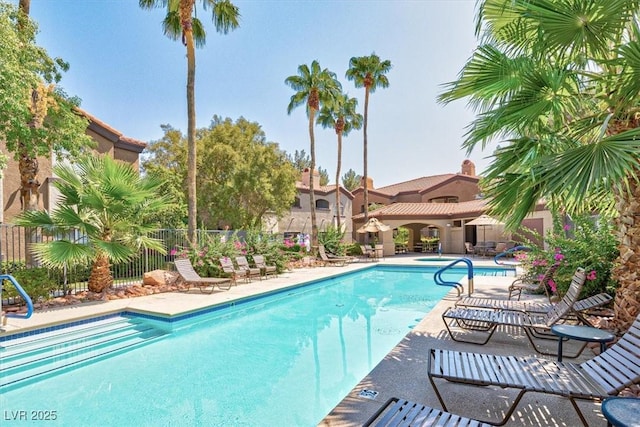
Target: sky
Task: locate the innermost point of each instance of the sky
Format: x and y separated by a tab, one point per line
132	77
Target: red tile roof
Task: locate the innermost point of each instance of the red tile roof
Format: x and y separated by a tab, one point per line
323	189
432	210
112	134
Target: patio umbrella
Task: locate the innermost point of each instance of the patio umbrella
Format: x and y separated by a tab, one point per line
483	221
373	226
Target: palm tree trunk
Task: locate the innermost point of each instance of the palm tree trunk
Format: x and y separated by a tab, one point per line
192	201
365	175
627	300
100	278
312	196
338	212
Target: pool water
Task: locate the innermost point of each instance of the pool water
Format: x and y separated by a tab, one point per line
282	360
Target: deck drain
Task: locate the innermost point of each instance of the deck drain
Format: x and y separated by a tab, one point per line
368	394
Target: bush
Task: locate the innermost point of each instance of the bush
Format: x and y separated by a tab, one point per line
588	243
35	282
331	239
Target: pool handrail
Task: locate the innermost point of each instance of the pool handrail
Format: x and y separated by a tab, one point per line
437	276
22	293
510	251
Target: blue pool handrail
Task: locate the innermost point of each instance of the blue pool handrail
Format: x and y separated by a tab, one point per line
509	251
22	293
437	276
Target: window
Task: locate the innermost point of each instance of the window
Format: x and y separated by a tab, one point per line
445	199
322	204
296	203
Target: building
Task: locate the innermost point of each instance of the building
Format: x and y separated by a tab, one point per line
108	140
437	208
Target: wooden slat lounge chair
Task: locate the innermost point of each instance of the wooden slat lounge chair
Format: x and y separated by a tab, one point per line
534	325
605	375
192	278
533	285
228	268
339	261
265	269
401	412
243	264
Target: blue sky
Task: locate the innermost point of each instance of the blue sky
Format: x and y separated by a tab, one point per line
132	77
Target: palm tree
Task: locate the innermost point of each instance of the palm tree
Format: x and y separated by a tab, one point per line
340	115
368	72
314	87
181	22
106	203
559	80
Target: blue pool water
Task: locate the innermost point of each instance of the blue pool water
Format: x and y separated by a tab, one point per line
282	360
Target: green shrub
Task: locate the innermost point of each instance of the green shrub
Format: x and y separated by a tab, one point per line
331	239
35	282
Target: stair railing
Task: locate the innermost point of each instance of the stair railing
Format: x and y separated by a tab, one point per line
23	295
437	276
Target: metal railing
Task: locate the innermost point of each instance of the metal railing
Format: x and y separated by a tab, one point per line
437	277
15	256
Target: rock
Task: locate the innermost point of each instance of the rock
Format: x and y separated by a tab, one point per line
155	278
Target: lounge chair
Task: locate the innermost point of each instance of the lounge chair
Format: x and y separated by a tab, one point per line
192	278
401	412
605	375
243	264
265	269
579	307
230	269
533	285
534	325
339	261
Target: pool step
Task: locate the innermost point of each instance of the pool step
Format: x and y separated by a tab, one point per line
30	357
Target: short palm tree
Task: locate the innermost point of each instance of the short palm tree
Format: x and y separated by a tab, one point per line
182	23
314	87
103	203
341	115
368	72
560	81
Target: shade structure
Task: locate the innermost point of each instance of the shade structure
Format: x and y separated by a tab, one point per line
373	226
483	221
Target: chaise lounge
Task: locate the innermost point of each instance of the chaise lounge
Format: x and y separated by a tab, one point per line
534	325
192	278
603	376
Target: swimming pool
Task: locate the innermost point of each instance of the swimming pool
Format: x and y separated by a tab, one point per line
282	360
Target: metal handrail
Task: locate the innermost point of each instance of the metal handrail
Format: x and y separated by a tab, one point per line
509	251
22	293
437	276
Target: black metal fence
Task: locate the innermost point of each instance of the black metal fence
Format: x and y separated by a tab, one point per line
15	255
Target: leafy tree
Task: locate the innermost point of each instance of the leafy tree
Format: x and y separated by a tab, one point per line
340	115
107	203
169	150
242	176
351	180
37	118
368	72
314	86
560	81
182	22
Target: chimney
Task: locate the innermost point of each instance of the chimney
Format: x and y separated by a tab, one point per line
305	178
468	168
369	183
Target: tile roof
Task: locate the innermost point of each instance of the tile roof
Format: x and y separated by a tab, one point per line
433	210
323	189
111	133
421	184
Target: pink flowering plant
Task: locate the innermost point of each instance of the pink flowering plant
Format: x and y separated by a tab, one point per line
583	243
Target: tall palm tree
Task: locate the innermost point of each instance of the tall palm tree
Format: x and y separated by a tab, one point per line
106	202
314	87
560	81
182	22
368	72
341	115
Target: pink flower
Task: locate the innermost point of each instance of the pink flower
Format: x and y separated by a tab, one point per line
552	285
566	227
558	257
539	262
173	252
591	275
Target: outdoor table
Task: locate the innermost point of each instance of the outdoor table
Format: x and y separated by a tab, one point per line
622	411
581	333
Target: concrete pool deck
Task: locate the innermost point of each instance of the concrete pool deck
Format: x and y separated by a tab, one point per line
402	373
